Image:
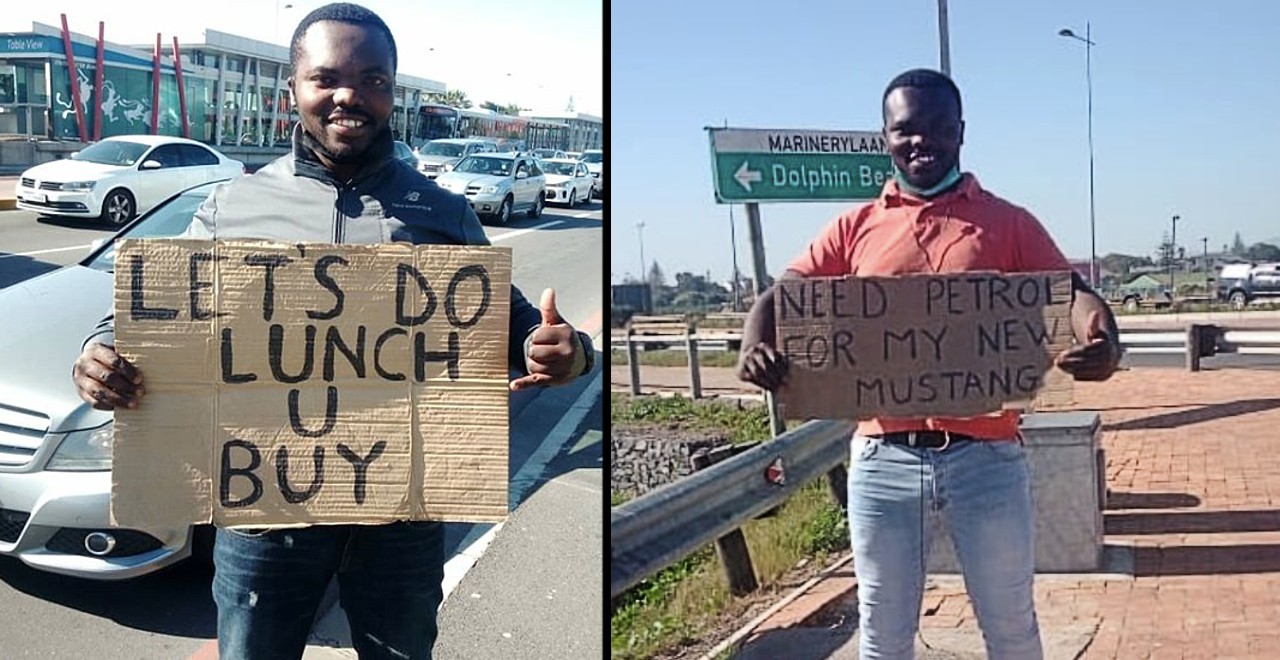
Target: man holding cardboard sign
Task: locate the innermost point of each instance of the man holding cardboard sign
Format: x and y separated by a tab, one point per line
923	314
324	312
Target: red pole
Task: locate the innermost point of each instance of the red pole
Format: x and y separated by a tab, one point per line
97	88
75	81
182	90
155	90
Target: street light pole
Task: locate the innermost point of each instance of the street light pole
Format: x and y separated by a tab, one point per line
644	276
1088	74
944	38
1205	241
1173	252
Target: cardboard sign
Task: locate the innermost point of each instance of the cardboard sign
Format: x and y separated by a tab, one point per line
953	345
304	383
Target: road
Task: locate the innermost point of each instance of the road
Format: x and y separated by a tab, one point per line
170	614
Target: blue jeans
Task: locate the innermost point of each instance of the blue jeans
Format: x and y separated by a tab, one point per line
982	491
268	586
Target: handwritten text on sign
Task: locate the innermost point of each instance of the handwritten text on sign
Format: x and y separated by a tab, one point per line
305	383
950	344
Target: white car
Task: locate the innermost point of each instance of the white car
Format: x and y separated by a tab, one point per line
120	177
498	184
594	159
568	181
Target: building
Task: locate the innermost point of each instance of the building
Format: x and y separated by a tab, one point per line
233	89
584	131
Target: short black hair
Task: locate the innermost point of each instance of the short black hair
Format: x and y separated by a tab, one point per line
343	12
924	79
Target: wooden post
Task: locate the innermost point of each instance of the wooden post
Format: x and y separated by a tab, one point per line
1193	346
695	375
633	361
735	557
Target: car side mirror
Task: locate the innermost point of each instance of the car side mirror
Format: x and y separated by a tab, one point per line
150	165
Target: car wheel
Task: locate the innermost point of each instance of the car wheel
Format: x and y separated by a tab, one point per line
573	197
536	211
504	212
118	208
1239	300
1130	304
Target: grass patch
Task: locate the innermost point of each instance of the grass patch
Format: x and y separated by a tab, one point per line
677	358
682	603
741	421
616	498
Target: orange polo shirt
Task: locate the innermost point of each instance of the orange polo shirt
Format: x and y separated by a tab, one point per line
965	229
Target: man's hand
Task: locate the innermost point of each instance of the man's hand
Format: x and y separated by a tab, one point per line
551	350
106	380
1097	358
762	365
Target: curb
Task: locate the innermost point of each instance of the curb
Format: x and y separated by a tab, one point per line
8	203
735	640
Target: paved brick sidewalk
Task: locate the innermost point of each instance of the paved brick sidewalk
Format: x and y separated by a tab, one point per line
1193	464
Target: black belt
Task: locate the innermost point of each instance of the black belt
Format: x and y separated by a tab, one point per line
925	439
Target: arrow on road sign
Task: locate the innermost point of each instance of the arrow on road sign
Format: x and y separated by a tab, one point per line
746	177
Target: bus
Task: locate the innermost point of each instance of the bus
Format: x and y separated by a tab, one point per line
437	121
434	121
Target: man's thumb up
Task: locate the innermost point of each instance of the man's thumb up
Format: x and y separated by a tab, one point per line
550	316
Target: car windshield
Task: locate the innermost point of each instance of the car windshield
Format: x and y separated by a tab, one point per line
545	153
484	165
442	149
112	152
169	219
593	157
559	168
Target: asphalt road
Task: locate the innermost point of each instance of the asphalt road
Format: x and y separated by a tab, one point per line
170	614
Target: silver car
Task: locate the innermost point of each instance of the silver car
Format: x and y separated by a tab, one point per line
498	184
439	156
55	450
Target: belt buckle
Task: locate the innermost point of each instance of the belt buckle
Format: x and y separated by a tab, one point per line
946	435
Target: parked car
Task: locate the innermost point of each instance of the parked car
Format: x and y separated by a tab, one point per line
441	155
404	153
594	158
1242	284
120	177
573	155
498	184
55	450
549	154
568	181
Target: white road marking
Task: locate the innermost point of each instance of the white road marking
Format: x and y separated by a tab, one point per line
457	567
62	249
511	234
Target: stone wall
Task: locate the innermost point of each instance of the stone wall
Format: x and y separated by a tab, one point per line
641	460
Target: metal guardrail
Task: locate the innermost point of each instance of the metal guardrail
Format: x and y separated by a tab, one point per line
667	524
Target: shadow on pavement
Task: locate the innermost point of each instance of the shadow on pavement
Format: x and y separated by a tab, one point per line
1202	414
1193	522
175	601
1206	560
14	268
1118	499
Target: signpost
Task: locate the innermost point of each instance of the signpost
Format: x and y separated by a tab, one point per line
752	165
779	165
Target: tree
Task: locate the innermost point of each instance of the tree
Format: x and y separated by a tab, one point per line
1262	252
1165	251
1237	247
657	279
454	98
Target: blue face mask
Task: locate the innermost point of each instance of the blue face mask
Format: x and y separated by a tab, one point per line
947	181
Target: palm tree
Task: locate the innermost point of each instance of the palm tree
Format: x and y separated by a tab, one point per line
454	98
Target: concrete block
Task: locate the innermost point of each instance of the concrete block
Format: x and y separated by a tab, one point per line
1067	490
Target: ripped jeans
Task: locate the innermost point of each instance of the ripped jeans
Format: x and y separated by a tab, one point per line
268	586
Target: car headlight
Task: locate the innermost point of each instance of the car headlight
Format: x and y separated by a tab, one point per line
489	190
79	185
84	451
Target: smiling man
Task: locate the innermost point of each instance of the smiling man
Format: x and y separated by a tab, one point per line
931	218
341	184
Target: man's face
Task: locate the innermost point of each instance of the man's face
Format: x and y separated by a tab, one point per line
344	87
923	129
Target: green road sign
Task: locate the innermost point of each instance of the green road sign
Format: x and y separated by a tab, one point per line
777	165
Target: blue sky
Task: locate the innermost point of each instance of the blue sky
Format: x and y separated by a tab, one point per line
1186	114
